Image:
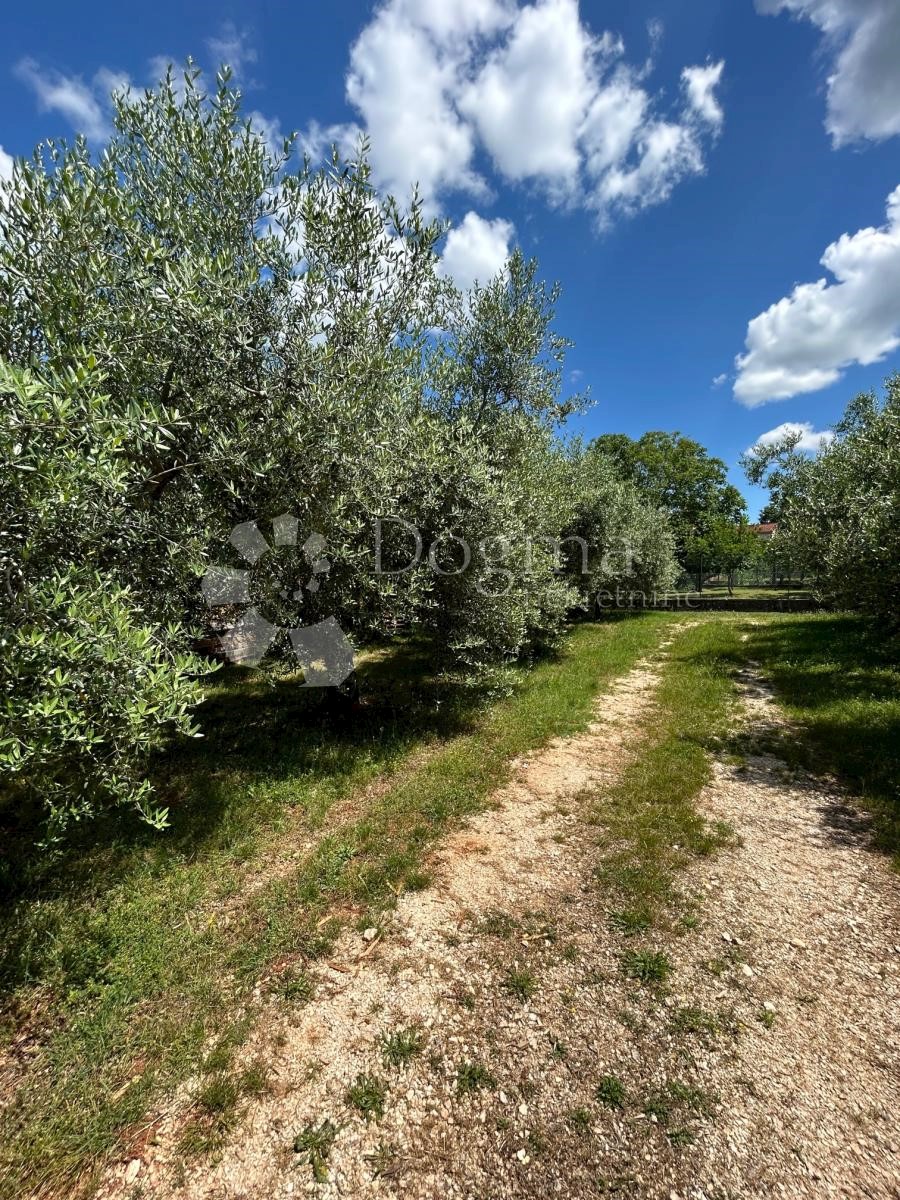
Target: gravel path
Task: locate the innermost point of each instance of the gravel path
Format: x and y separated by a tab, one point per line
770	1068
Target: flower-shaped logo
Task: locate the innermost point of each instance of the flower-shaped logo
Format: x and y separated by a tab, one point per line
322	649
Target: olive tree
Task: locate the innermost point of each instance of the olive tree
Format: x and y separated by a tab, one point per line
839	513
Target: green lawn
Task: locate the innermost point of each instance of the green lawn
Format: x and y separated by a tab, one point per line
126	953
838	677
719	591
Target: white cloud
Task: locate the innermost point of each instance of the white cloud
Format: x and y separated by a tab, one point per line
805	341
810	440
232	48
549	101
701	84
529	99
864	85
401	79
719	380
476	250
6	165
71	96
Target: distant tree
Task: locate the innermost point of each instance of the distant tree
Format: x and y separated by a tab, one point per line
725	546
678	475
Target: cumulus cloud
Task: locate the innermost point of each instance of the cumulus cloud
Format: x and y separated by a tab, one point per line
806	340
810	440
719	380
80	103
476	250
6	165
549	102
863	39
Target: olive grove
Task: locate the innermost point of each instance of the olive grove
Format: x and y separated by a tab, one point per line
196	333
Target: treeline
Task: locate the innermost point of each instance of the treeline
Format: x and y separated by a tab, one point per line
196	334
838	514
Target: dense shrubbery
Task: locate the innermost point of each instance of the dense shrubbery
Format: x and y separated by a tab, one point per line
839	513
192	335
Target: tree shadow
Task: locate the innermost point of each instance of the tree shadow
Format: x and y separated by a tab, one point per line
268	745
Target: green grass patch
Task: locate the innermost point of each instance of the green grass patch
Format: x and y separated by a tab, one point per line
610	1092
472	1076
401	1046
651	826
367	1095
129	948
520	983
838	678
647	966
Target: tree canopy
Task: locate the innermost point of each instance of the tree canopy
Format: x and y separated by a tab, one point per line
196	334
679	476
839	512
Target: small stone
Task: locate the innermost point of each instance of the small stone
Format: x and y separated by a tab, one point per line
370	934
797	944
523	1110
747	970
132	1170
522	1155
504	1099
769	1006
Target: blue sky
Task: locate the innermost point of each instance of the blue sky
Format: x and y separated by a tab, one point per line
674	199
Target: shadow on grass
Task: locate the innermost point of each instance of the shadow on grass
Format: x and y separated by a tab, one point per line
839	678
269	746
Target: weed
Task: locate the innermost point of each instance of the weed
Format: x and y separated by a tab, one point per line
402	1045
630	921
537	1142
579	1119
647	966
611	1092
367	1095
520	983
498	924
254	1079
695	1021
557	1048
470	1076
384	1160
314	1143
296	986
219	1094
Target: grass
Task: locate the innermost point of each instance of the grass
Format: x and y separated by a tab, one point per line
367	1095
472	1076
652	828
520	983
610	1091
838	678
401	1046
749	592
128	948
